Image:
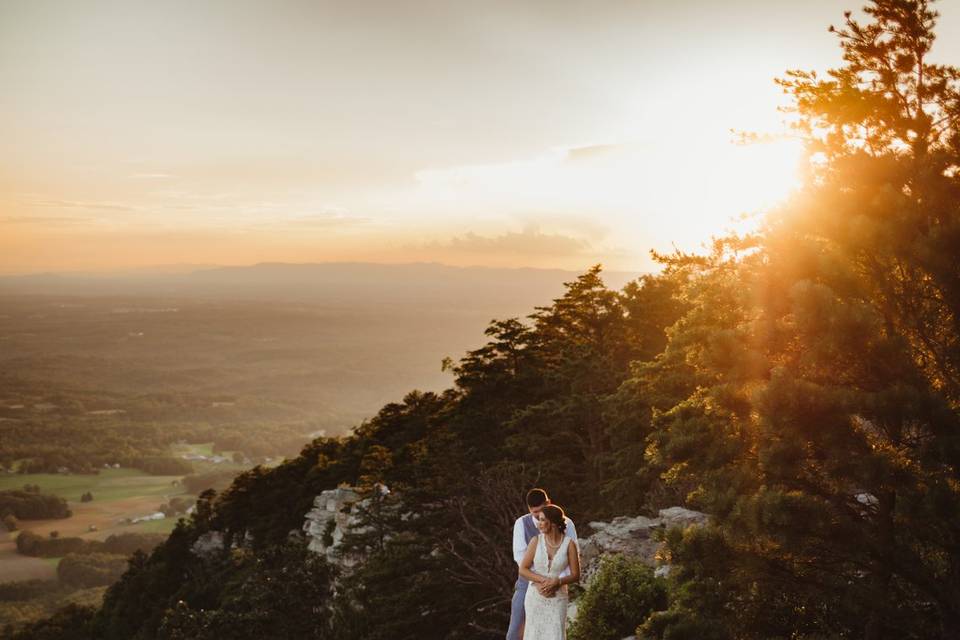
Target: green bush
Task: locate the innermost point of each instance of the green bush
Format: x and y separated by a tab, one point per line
32	544
127	543
163	466
218	480
177	505
622	594
91	569
124	544
681	625
31	505
23	590
70	623
10	522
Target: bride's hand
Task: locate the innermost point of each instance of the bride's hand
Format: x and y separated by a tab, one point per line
548	588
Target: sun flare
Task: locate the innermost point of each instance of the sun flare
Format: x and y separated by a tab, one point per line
684	193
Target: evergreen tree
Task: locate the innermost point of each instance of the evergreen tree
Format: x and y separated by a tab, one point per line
583	356
823	431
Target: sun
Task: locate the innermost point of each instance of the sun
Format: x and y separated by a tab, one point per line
685	194
656	192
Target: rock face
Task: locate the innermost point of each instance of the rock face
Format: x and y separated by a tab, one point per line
208	544
212	543
329	520
633	536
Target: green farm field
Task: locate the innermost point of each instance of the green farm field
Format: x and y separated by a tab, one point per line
118	495
204	449
109	484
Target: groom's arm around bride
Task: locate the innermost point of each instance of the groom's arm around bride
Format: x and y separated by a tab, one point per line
524	530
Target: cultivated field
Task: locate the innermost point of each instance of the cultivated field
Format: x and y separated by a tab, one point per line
118	494
15	567
106	516
108	485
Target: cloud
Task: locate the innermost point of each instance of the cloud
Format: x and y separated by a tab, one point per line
529	242
592	152
590	227
81	204
600	178
51	220
319	221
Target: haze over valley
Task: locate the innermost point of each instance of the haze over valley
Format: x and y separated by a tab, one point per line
124	395
322	344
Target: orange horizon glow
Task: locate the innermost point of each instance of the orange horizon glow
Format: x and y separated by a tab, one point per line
494	135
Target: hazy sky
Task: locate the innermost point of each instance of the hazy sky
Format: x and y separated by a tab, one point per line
521	132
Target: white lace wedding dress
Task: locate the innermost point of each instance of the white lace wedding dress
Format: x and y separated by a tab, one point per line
546	618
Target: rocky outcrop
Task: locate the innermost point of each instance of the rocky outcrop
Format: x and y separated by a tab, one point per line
680	517
213	543
208	544
335	513
635	536
329	520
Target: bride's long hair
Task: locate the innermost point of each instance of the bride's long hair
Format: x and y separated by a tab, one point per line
555	514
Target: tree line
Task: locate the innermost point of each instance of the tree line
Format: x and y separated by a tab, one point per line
32	505
86	568
83	445
55	546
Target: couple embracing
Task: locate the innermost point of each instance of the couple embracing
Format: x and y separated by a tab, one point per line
545	548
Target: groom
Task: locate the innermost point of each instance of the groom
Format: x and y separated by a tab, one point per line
524	530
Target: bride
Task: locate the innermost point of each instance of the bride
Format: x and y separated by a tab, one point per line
546	557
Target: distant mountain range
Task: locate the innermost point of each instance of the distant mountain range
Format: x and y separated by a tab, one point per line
336	284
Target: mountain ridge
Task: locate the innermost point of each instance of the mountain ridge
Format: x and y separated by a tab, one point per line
335	283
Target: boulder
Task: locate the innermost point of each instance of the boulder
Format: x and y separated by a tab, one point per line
208	544
328	521
623	534
635	536
680	517
213	542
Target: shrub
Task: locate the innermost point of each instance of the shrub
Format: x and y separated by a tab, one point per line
127	543
91	569
10	522
681	625
622	594
218	480
27	543
73	622
163	466
176	506
32	544
24	590
124	544
31	505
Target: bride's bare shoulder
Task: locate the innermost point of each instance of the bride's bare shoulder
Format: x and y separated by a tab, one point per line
531	549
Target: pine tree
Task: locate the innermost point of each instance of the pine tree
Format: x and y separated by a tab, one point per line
824	432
